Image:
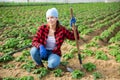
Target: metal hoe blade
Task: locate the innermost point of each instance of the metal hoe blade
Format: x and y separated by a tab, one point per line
69	69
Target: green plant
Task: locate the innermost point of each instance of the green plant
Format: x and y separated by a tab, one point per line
114	47
23	43
114	52
118	58
22	78
28	66
10	78
6	58
27	78
7	50
115	39
86	31
8	66
68	56
89	66
57	72
92	44
73	50
11	43
77	74
96	38
23	35
33	30
73	43
25	53
97	75
21	58
88	52
101	55
64	63
41	72
83	56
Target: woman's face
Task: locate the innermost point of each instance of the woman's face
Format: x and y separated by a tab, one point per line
52	20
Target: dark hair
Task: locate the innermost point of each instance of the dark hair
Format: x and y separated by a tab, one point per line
58	24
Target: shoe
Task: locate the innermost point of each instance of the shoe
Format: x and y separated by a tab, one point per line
38	66
50	68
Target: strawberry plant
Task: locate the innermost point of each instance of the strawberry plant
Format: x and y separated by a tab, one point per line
77	74
23	35
11	43
89	66
114	47
28	66
115	39
64	63
25	53
97	75
6	58
27	78
73	43
114	52
82	27
101	55
96	38
73	50
21	58
92	44
33	30
57	73
86	31
10	78
7	50
118	58
22	78
83	56
23	43
41	72
68	56
8	66
88	52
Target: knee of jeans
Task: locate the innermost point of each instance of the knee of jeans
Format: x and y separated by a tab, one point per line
53	63
33	50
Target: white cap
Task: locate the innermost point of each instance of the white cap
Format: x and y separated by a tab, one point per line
52	12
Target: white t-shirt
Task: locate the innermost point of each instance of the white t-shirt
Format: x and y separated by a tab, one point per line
50	43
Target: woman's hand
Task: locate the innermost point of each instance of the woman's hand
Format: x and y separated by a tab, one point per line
43	52
72	21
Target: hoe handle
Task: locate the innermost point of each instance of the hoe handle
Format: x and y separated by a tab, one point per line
75	34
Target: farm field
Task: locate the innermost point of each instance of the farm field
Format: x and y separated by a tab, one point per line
99	29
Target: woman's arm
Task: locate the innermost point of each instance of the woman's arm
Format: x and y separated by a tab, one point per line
36	38
70	34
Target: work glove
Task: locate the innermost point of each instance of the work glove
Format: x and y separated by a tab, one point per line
72	21
43	52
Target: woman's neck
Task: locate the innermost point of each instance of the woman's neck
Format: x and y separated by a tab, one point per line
52	27
52	30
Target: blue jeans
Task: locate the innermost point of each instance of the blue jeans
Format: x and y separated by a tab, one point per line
53	59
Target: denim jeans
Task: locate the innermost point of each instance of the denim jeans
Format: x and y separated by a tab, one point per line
53	59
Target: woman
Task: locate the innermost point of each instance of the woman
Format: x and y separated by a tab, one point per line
48	40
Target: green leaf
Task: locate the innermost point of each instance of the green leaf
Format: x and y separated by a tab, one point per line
89	66
58	72
77	74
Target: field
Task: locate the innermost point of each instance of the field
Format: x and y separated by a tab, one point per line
99	29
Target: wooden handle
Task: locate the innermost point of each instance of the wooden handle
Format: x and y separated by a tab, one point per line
75	34
74	29
71	12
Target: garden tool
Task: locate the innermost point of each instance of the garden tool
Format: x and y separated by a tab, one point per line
77	43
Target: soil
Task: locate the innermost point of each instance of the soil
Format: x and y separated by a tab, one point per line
109	69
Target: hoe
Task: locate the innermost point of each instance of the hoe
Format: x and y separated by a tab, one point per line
77	44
